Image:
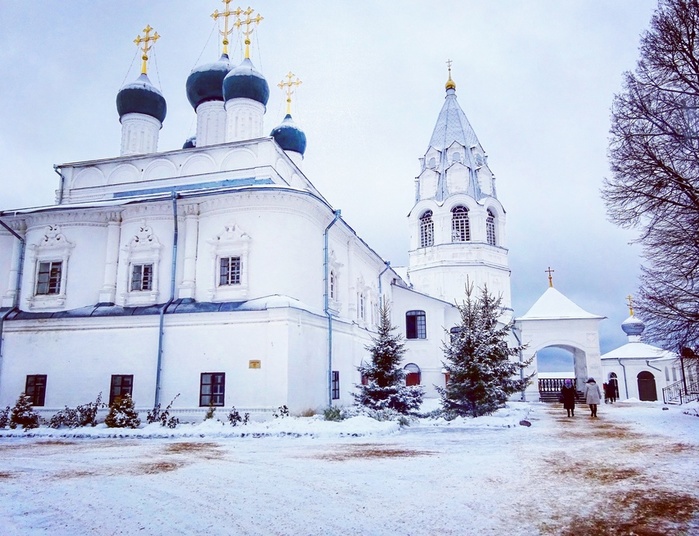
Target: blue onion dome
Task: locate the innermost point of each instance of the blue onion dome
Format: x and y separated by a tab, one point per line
289	137
633	326
190	143
205	83
141	97
245	82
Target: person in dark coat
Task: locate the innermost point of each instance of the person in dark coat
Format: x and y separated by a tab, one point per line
592	396
568	397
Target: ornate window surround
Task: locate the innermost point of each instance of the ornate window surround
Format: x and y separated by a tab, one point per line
231	242
53	247
143	248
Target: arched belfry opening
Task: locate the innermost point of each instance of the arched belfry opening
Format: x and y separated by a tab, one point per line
555	322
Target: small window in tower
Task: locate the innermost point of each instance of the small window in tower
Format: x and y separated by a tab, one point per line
490	229
456	157
426	230
460	230
48	279
431	163
229	271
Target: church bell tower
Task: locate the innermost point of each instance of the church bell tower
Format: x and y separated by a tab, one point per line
457	225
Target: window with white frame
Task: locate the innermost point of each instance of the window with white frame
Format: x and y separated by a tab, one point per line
212	389
490	228
426	230
229	271
140	281
415	325
49	255
460	230
48	278
229	251
141	277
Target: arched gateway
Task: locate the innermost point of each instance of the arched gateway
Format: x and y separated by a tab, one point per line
555	321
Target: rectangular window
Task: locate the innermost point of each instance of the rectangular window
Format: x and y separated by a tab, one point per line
122	384
229	271
142	277
48	278
415	325
212	389
36	388
336	385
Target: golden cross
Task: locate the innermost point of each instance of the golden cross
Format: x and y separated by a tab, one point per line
629	302
292	80
148	42
450	83
248	21
225	14
550	271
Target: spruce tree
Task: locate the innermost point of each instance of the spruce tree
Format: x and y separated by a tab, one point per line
122	414
383	377
23	414
481	373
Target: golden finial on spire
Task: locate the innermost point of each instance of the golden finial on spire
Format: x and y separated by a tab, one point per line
291	81
248	21
226	31
148	42
629	302
550	271
450	83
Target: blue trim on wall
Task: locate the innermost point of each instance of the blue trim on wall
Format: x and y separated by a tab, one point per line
227	183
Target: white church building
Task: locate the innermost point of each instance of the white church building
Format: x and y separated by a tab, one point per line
219	273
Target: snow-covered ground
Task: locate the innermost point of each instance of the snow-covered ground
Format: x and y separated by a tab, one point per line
633	470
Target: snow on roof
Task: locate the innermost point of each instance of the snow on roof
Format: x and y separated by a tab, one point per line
639	350
554	305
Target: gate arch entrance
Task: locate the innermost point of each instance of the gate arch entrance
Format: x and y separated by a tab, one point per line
555	321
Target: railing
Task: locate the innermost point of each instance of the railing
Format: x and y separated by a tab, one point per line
675	393
550	389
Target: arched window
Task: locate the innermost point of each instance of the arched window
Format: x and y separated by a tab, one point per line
412	374
426	230
460	230
490	228
415	325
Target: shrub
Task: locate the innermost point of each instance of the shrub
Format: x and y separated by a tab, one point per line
122	414
23	414
83	415
282	411
333	414
234	417
210	412
309	412
4	417
163	417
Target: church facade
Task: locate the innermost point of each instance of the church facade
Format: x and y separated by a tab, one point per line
218	274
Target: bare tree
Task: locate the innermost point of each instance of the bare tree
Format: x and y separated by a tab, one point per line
654	157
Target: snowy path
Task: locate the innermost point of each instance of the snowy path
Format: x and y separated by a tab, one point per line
561	476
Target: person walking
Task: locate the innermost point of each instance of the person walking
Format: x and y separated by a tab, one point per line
568	397
592	396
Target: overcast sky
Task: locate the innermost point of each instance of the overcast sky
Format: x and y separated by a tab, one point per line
536	79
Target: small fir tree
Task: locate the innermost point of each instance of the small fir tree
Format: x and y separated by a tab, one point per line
122	414
23	414
481	373
383	377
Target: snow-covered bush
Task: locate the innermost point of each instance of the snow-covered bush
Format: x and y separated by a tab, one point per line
383	384
122	414
163	417
210	413
333	413
23	414
282	411
234	417
83	415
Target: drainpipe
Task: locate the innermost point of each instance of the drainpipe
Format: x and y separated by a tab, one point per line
173	274
626	383
18	284
62	184
326	305
388	265
651	366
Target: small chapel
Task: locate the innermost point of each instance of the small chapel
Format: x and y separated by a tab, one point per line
217	274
